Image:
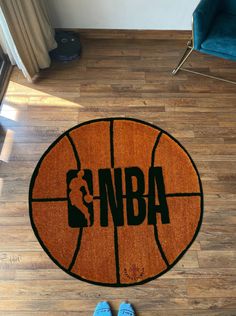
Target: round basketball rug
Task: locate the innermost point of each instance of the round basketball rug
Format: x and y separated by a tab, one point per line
116	201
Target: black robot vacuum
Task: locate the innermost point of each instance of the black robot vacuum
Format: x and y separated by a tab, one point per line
68	46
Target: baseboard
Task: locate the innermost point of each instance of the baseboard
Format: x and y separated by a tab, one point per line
132	34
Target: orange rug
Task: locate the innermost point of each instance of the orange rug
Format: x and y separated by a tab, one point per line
116	202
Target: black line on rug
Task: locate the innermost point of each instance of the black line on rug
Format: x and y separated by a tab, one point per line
76	250
115	228
154	148
75	151
183	194
50	200
112	144
159	246
124	196
155	226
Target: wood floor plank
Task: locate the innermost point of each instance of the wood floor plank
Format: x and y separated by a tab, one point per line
216	288
122	74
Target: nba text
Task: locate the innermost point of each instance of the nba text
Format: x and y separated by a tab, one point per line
119	190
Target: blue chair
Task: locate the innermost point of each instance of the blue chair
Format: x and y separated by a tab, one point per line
214	32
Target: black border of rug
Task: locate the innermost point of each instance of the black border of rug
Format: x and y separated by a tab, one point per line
35	173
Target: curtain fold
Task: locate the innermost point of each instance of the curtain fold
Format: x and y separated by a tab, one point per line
31	31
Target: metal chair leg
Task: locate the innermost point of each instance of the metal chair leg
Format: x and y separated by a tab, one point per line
185	56
208	76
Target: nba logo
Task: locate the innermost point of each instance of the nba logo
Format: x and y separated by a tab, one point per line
112	197
116	202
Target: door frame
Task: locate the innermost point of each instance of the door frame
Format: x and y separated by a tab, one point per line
5	71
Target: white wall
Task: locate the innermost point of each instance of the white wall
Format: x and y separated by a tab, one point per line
122	14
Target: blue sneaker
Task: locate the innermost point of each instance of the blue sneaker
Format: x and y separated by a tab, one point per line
126	309
102	309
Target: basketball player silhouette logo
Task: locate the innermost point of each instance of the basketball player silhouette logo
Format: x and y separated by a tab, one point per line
116	202
80	196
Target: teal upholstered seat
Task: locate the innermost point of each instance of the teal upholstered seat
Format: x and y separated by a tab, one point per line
214	32
214	24
221	40
229	6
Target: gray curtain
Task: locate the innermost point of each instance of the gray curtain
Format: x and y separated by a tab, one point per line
31	32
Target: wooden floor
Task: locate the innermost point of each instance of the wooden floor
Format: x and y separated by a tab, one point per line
131	78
